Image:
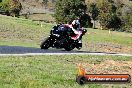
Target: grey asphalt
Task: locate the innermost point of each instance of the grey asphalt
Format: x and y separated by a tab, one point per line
25	51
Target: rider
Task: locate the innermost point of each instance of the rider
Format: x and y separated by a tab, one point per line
74	26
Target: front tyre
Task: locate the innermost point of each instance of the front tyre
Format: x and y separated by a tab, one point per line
45	44
69	47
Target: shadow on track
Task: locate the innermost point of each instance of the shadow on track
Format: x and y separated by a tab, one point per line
23	50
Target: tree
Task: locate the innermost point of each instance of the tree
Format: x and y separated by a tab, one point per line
108	15
125	13
104	14
68	10
11	7
114	22
94	13
113	14
45	2
15	7
126	16
4	6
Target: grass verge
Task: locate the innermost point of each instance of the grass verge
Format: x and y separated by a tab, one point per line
50	71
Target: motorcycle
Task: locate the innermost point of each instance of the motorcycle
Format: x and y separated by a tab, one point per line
67	39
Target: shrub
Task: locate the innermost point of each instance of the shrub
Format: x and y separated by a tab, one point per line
68	10
11	7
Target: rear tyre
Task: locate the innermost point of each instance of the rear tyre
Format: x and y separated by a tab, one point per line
45	44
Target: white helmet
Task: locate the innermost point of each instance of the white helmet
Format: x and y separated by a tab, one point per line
76	24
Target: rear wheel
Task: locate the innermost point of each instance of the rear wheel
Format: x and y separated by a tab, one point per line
46	43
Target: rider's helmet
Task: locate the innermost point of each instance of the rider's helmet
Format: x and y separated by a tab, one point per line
76	24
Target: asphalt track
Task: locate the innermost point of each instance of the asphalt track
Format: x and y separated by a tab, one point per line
31	51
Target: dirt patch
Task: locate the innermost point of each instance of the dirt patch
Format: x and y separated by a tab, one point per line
109	67
108	48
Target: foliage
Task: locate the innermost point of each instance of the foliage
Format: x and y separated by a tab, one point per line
15	7
68	10
108	16
127	23
94	11
11	7
45	2
85	21
126	15
4	5
112	14
115	23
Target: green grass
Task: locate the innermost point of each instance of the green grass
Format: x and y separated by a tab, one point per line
114	37
49	71
20	31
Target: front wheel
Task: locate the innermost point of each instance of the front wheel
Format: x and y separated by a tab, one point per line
45	44
69	47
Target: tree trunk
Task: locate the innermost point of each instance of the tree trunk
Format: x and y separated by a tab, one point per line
93	24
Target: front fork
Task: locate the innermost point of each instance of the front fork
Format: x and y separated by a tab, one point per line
79	44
